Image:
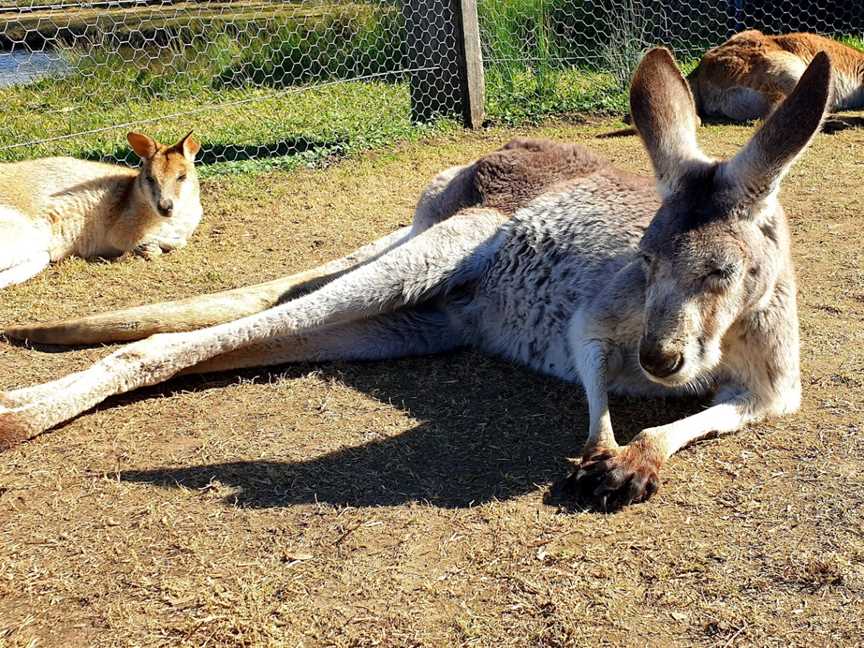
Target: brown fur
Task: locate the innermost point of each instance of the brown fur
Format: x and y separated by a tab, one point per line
770	66
662	105
52	208
525	168
606	477
790	128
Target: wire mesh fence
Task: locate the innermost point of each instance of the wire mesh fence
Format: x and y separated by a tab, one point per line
269	84
572	56
261	82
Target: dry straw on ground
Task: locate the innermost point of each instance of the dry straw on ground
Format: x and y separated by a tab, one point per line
400	503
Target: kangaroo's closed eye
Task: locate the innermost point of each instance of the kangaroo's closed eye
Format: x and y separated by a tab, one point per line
722	273
181	178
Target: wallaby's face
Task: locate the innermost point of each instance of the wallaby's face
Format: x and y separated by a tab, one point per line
167	180
714	250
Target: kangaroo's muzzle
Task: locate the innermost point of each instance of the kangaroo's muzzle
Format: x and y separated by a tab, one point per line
660	363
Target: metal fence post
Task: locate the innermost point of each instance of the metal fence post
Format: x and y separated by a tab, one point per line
443	50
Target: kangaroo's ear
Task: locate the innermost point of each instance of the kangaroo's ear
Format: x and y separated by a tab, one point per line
664	114
188	146
759	167
144	147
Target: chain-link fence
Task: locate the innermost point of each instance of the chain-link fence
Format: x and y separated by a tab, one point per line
274	84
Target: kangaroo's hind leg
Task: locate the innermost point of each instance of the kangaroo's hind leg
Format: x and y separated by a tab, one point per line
23	248
420	330
445	256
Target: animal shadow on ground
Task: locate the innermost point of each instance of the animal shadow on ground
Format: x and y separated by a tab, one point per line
832	124
488	431
838	123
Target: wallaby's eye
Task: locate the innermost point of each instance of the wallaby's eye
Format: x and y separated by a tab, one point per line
151	179
645	258
181	178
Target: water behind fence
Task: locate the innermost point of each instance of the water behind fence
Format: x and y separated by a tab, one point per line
275	84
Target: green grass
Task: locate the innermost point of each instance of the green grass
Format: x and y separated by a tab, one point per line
342	44
269	85
272	130
852	41
258	99
265	88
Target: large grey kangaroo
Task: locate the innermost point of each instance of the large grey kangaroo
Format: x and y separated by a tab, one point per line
593	279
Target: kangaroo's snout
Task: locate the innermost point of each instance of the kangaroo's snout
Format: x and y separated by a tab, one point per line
660	362
166	207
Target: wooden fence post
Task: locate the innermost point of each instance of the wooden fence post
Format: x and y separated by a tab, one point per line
474	78
443	48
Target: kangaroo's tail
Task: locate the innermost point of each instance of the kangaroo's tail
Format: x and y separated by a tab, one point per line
165	317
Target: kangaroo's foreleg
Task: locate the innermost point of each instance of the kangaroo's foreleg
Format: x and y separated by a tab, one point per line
200	311
612	476
447	255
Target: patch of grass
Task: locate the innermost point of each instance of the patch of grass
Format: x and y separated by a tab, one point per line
852	41
253	107
250	128
342	44
268	86
254	78
531	69
518	94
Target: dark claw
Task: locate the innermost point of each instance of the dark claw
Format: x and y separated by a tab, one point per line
606	482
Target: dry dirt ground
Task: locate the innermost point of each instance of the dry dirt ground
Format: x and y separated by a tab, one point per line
401	503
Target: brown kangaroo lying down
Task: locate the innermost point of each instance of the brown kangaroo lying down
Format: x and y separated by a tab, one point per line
747	77
594	279
52	208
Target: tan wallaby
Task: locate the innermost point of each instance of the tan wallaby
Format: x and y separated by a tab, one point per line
549	256
747	77
52	208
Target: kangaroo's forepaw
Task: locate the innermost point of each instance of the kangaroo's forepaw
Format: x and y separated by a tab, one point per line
148	251
607	479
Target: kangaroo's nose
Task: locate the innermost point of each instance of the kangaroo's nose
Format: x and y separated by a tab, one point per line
659	363
166	206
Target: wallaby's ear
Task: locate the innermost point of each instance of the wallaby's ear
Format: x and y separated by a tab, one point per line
759	167
188	146
664	114
144	147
